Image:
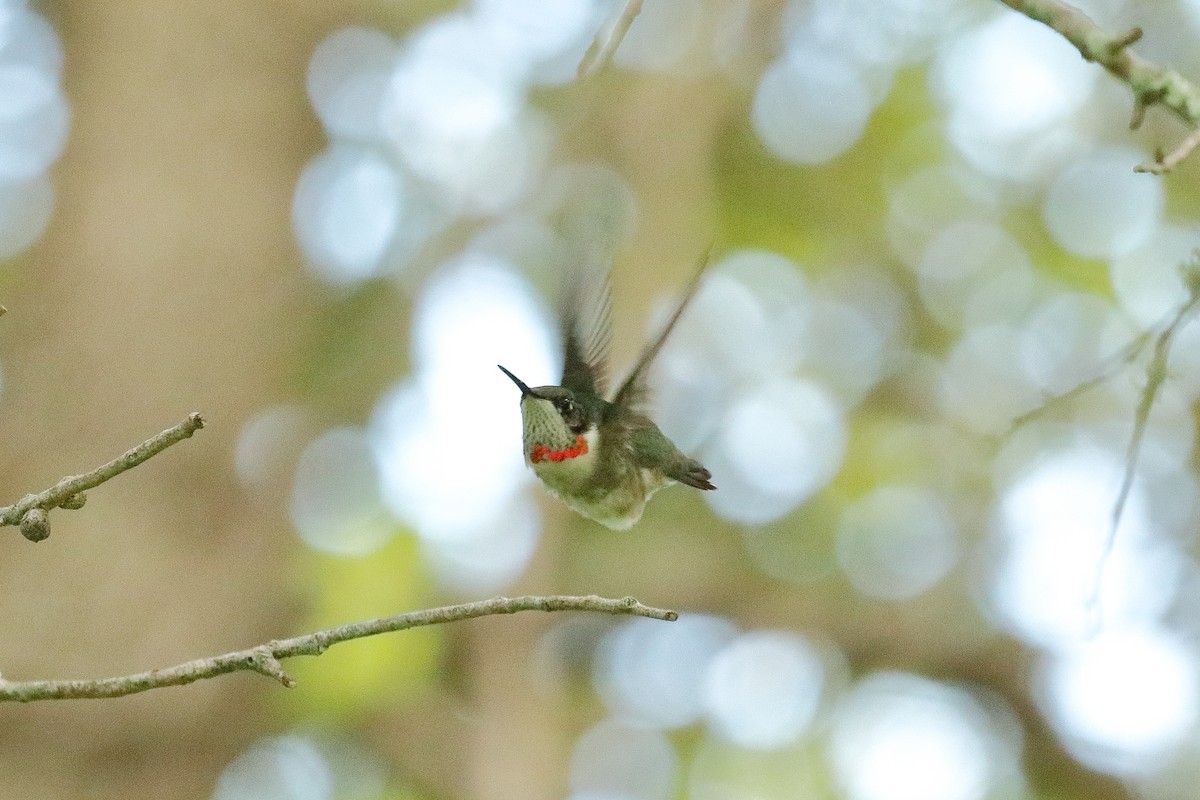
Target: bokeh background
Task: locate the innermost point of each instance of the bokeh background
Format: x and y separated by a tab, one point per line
322	224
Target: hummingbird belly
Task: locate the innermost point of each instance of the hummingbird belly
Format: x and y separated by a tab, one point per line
574	480
616	505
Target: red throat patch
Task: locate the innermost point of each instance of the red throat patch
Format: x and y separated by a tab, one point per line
542	453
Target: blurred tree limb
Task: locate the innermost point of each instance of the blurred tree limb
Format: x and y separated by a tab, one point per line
32	512
601	50
265	658
1149	82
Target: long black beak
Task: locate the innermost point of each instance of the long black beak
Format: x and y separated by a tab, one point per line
525	390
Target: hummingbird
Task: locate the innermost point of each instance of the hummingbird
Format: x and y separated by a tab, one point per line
604	458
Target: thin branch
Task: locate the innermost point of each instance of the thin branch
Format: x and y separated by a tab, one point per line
1150	83
1109	367
265	658
1156	376
602	48
31	511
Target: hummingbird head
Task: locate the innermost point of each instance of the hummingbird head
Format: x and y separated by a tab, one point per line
556	424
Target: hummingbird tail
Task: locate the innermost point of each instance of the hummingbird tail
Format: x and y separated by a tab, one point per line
693	473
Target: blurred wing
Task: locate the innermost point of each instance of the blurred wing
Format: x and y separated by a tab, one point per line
632	394
586	318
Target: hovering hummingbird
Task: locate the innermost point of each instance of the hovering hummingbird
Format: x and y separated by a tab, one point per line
605	458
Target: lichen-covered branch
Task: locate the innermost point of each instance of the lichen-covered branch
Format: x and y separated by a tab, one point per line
31	512
265	658
1150	83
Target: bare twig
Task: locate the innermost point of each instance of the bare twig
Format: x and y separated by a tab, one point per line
31	511
1156	375
602	48
1110	367
1150	83
265	658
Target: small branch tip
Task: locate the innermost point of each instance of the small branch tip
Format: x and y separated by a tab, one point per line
30	511
1139	114
266	663
1163	164
1126	39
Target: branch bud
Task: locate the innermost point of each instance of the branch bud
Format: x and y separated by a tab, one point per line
74	502
35	525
